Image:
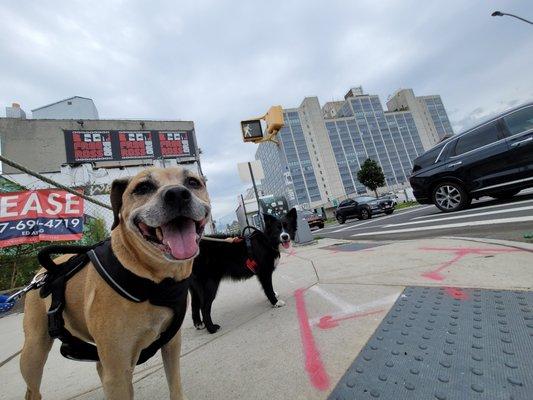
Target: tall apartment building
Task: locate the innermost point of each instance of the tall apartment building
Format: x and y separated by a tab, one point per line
321	148
428	112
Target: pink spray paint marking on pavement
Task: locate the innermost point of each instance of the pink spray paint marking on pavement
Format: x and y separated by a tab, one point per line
456	293
328	322
291	252
313	362
459	252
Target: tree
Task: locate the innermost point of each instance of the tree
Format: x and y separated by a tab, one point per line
371	175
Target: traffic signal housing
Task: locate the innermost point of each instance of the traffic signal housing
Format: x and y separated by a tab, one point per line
252	130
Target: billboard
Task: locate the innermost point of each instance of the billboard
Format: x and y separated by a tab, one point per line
90	146
40	215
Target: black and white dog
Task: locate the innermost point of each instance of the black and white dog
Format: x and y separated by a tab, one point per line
239	260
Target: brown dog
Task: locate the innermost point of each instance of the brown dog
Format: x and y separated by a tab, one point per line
159	218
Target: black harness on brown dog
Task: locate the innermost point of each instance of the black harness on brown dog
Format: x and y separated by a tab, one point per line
167	293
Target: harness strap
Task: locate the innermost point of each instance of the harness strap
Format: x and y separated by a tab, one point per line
167	293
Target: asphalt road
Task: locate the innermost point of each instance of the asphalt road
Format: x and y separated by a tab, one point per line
486	218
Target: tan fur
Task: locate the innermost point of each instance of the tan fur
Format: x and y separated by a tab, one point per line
95	312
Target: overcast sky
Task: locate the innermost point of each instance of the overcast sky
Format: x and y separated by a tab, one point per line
218	62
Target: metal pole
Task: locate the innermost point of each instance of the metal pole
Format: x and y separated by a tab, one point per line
501	14
52	182
259	211
244	209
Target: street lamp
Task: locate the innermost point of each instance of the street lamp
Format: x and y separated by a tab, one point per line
501	14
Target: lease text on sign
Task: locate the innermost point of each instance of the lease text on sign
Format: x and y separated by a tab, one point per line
40	215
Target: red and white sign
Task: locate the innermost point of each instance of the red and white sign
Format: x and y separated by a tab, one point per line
40	215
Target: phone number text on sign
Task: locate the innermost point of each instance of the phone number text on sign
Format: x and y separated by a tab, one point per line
40	215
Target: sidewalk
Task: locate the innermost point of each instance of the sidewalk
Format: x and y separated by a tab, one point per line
337	293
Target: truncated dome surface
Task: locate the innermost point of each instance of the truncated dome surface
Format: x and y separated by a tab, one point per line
447	344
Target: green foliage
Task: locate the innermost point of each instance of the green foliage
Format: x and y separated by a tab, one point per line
406	204
371	175
19	263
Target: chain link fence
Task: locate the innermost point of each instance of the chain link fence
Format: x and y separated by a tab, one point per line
18	263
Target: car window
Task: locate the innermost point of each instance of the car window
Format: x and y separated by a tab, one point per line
519	121
426	159
364	199
477	138
344	203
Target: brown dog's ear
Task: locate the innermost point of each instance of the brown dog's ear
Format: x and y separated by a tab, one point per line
117	190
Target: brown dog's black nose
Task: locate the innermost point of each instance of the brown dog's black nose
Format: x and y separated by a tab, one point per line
177	196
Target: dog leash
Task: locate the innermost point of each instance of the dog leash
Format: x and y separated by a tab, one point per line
7	302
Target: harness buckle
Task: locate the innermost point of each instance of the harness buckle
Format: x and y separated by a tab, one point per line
56	323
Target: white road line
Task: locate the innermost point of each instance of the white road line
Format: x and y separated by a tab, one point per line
353	226
355	308
379	220
475	209
462	216
336	301
448	226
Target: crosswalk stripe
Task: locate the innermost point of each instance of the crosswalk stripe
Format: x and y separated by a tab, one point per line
448	226
461	216
354	226
475	209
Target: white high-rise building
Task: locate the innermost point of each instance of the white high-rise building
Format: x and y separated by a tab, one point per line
428	112
321	149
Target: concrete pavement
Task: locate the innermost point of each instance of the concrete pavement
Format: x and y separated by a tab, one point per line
337	293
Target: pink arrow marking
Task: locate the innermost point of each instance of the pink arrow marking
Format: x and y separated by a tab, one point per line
313	362
459	252
328	322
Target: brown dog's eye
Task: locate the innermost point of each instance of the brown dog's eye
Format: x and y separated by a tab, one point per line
193	183
144	188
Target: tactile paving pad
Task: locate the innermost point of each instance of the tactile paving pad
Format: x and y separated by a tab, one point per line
447	344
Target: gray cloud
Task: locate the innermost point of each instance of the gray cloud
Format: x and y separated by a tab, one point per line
217	62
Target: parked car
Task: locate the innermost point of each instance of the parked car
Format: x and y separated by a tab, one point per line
390	196
362	207
313	219
494	158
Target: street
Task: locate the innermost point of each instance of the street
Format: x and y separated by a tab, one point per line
486	218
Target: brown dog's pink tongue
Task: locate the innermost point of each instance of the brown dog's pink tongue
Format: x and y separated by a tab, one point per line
181	238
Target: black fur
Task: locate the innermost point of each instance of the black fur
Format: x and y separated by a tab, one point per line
222	260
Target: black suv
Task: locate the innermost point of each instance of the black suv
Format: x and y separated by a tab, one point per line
362	207
494	158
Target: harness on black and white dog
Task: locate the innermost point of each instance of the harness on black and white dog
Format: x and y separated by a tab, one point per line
168	293
250	262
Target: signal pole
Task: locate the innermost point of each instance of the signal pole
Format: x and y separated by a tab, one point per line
259	210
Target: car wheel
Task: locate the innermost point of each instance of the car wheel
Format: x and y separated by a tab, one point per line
340	220
321	226
450	196
507	194
365	214
389	212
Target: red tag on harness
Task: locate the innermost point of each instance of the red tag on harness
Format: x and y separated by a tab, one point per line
251	264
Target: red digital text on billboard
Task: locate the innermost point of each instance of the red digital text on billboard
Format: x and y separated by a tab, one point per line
92	145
